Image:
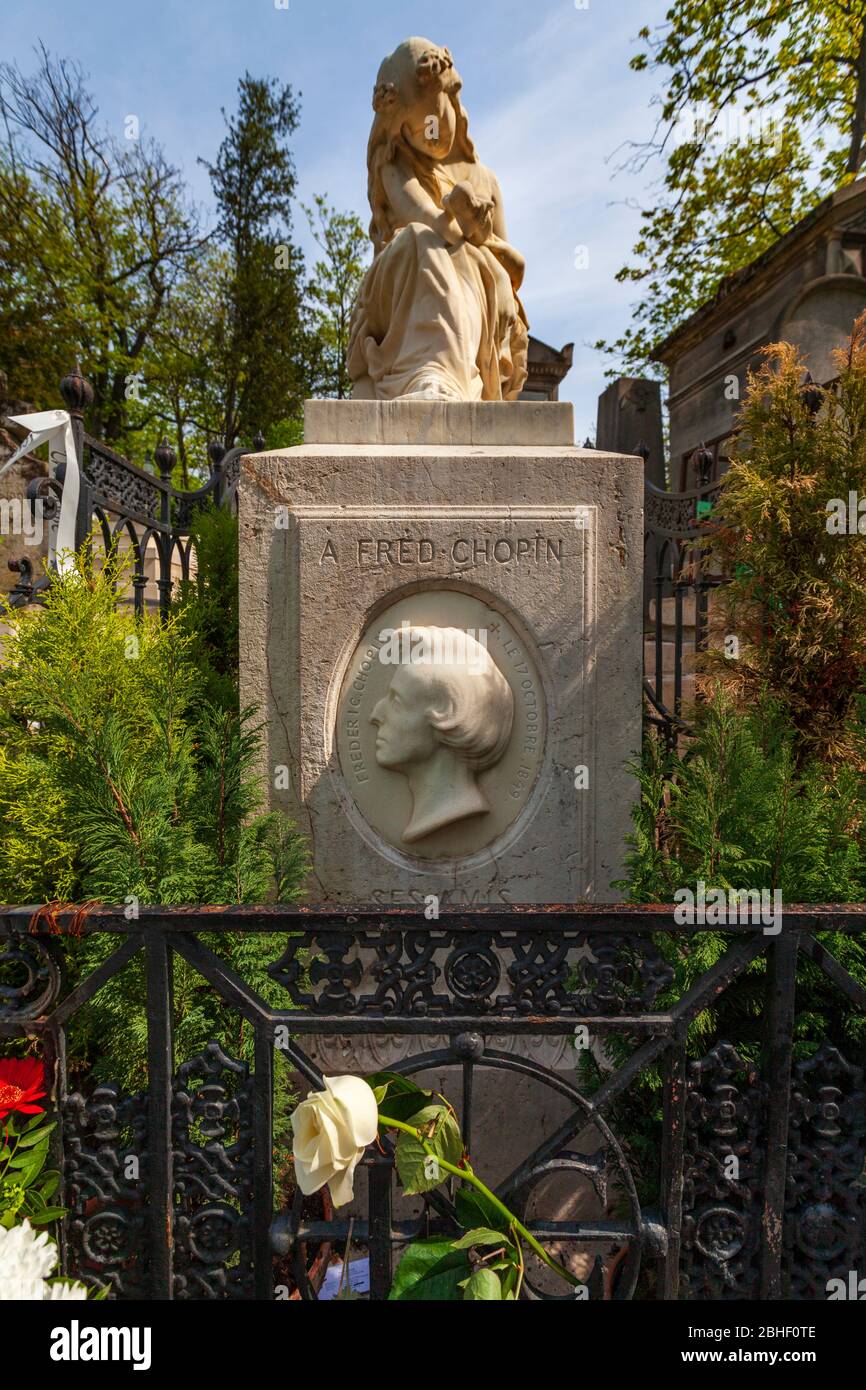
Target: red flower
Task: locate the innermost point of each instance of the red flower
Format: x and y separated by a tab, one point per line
21	1083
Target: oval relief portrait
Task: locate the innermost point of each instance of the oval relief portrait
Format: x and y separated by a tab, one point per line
440	724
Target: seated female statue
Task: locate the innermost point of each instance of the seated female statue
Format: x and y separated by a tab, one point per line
438	315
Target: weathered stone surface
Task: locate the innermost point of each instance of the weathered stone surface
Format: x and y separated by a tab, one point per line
414	422
544	543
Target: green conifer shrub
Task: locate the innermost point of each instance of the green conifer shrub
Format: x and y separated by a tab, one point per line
120	782
796	600
739	807
206	604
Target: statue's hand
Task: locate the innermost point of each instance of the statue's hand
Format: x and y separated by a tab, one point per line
473	214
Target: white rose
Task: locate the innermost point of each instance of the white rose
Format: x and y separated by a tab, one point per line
332	1128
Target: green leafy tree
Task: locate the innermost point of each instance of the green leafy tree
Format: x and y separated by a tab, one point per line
761	114
260	347
184	389
93	234
338	275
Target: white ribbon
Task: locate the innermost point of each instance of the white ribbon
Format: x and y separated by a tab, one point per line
48	426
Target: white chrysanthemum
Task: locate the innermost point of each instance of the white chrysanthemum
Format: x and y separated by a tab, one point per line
26	1256
21	1290
63	1293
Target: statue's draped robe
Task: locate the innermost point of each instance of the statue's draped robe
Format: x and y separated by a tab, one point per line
434	317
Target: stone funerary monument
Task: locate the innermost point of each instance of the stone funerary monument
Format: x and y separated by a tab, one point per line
440	594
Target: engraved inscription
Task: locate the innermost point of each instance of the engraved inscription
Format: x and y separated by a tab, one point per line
464	552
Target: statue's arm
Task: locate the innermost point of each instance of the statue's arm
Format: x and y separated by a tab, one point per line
505	253
412	203
499	228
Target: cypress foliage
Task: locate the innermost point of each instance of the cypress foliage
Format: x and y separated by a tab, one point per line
206	607
771	790
120	782
734	810
737	809
797	596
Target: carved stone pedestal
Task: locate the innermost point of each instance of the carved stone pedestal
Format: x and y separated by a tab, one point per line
492	773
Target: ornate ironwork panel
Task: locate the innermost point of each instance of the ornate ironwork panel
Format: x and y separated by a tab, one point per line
723	1178
213	1177
825	1208
105	1146
434	971
761	1184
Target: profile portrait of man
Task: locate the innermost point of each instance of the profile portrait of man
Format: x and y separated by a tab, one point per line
444	718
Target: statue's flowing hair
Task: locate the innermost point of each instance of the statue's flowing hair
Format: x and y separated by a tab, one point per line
417	64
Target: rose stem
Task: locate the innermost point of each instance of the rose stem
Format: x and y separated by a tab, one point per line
467	1175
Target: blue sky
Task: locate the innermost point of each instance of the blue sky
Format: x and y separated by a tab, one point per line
547	87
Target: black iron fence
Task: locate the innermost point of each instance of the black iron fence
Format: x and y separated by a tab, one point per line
131	507
760	1185
759	1190
679	578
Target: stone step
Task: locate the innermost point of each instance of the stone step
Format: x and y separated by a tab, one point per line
688	618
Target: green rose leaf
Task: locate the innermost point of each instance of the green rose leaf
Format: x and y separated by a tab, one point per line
474	1210
481	1236
416	1167
483	1285
399	1097
36	1136
510	1280
397	1084
430	1270
49	1184
32	1123
30	1165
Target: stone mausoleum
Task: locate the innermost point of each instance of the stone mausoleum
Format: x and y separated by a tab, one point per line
808	289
